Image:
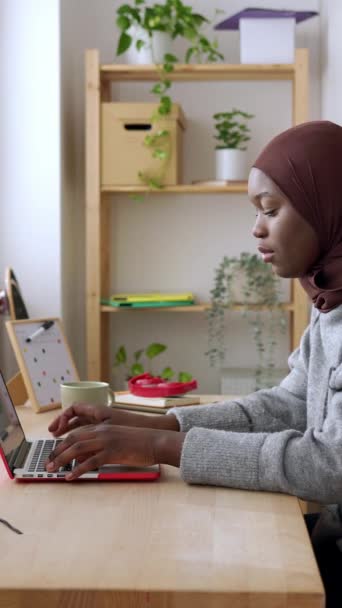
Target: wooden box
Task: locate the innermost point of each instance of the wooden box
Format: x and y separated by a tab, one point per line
124	127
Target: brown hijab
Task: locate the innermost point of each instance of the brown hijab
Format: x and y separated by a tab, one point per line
306	164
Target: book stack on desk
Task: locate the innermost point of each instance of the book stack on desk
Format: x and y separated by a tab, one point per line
157	405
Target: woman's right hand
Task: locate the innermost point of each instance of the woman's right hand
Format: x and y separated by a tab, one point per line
82	414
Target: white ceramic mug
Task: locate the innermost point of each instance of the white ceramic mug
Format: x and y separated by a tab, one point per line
86	391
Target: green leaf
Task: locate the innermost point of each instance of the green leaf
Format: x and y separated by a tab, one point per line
123	23
184	377
199	19
154	183
120	356
154	349
165	105
124	9
124	43
136	369
169	58
190	34
140	44
160	154
167	373
189	54
158	88
162	133
168	67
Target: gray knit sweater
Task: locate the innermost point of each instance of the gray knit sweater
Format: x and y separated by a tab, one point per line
285	439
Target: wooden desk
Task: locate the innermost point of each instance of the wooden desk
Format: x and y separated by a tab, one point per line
151	545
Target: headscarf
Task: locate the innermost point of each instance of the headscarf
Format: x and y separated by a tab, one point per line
305	162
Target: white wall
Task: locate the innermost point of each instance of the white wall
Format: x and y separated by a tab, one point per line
30	175
185	237
331	27
84	24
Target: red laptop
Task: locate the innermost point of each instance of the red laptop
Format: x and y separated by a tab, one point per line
25	460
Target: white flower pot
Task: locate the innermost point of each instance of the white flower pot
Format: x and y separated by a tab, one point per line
154	48
231	164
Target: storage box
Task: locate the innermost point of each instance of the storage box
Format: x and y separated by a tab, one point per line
124	127
267	40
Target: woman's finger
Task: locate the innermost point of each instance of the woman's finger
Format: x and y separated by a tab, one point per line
72	452
91	464
82	434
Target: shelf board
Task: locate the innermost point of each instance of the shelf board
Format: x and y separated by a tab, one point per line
199	72
234	187
202	307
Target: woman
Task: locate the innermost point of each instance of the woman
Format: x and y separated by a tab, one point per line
285	439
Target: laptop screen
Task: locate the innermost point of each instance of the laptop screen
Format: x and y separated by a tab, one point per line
11	432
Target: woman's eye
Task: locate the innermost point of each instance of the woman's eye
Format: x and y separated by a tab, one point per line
270	213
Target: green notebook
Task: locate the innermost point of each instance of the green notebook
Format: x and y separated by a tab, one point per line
154	304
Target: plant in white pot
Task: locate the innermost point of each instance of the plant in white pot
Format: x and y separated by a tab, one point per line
232	135
249	282
148	31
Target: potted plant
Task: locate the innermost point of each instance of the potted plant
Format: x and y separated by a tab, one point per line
250	283
232	135
142	362
142	29
151	29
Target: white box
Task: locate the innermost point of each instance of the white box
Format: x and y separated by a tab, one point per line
267	40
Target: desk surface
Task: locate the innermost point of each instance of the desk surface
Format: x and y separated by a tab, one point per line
160	544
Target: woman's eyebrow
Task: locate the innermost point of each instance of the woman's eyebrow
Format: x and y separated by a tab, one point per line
263	194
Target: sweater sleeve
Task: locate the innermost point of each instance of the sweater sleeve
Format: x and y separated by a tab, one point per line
306	464
269	410
274	450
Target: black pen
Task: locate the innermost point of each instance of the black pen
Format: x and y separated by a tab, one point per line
40	330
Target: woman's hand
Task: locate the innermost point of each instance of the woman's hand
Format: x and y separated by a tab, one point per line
95	445
81	414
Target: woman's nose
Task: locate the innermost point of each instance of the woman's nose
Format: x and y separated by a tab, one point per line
259	229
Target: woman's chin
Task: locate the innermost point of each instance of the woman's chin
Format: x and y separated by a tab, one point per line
283	272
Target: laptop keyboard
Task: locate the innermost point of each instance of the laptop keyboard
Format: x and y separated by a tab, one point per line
41	454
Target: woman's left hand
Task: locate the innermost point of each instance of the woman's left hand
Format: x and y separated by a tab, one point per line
95	445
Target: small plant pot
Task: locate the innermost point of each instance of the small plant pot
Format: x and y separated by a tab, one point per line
239	290
231	164
153	50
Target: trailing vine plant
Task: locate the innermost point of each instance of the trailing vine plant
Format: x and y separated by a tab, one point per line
259	286
177	20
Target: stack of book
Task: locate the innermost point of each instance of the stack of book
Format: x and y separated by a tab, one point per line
157	405
148	300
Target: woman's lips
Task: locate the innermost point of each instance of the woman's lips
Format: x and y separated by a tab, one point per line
267	254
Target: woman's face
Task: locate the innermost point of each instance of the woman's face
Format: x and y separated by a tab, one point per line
285	239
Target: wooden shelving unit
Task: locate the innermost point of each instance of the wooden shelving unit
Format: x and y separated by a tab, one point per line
98	203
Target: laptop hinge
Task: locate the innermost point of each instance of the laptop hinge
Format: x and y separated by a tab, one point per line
19	457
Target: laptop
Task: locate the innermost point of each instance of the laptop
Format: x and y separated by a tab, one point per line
25	460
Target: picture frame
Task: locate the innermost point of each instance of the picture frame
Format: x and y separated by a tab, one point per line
44	359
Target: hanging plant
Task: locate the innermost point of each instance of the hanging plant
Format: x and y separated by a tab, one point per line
247	281
177	20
